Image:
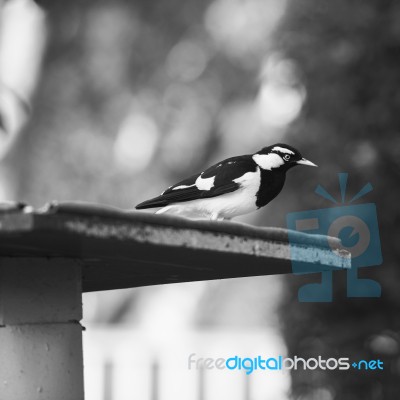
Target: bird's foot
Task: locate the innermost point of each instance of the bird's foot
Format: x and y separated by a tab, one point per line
218	218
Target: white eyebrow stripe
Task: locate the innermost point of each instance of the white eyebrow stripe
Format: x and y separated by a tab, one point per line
283	150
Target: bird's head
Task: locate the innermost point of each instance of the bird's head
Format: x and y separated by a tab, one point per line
280	157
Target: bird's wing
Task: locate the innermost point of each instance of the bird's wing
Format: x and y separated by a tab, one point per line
214	181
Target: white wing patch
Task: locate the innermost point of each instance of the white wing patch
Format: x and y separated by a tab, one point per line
268	161
183	186
201	184
169	187
205	184
283	150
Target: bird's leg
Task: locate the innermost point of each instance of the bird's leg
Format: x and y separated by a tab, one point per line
163	210
216	217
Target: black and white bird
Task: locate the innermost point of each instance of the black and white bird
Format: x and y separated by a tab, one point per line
235	186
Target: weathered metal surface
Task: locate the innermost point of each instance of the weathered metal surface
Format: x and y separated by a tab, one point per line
120	249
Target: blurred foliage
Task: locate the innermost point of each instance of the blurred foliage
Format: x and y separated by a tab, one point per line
347	54
135	95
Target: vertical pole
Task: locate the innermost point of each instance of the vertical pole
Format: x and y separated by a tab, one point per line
155	380
40	333
247	385
201	384
108	380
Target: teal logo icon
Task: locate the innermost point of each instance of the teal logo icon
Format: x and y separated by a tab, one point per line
356	225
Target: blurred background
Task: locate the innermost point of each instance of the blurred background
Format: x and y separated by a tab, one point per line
113	101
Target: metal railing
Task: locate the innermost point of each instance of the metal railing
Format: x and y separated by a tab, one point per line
122	364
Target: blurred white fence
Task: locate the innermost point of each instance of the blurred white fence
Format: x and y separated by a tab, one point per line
122	364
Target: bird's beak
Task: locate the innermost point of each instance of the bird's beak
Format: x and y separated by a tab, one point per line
303	161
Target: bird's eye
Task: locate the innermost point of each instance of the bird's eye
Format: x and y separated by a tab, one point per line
286	157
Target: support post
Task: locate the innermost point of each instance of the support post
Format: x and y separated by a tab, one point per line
40	333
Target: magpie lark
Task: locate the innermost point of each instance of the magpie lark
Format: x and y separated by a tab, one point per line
235	186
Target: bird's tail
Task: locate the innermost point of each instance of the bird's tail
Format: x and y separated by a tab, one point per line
152	203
